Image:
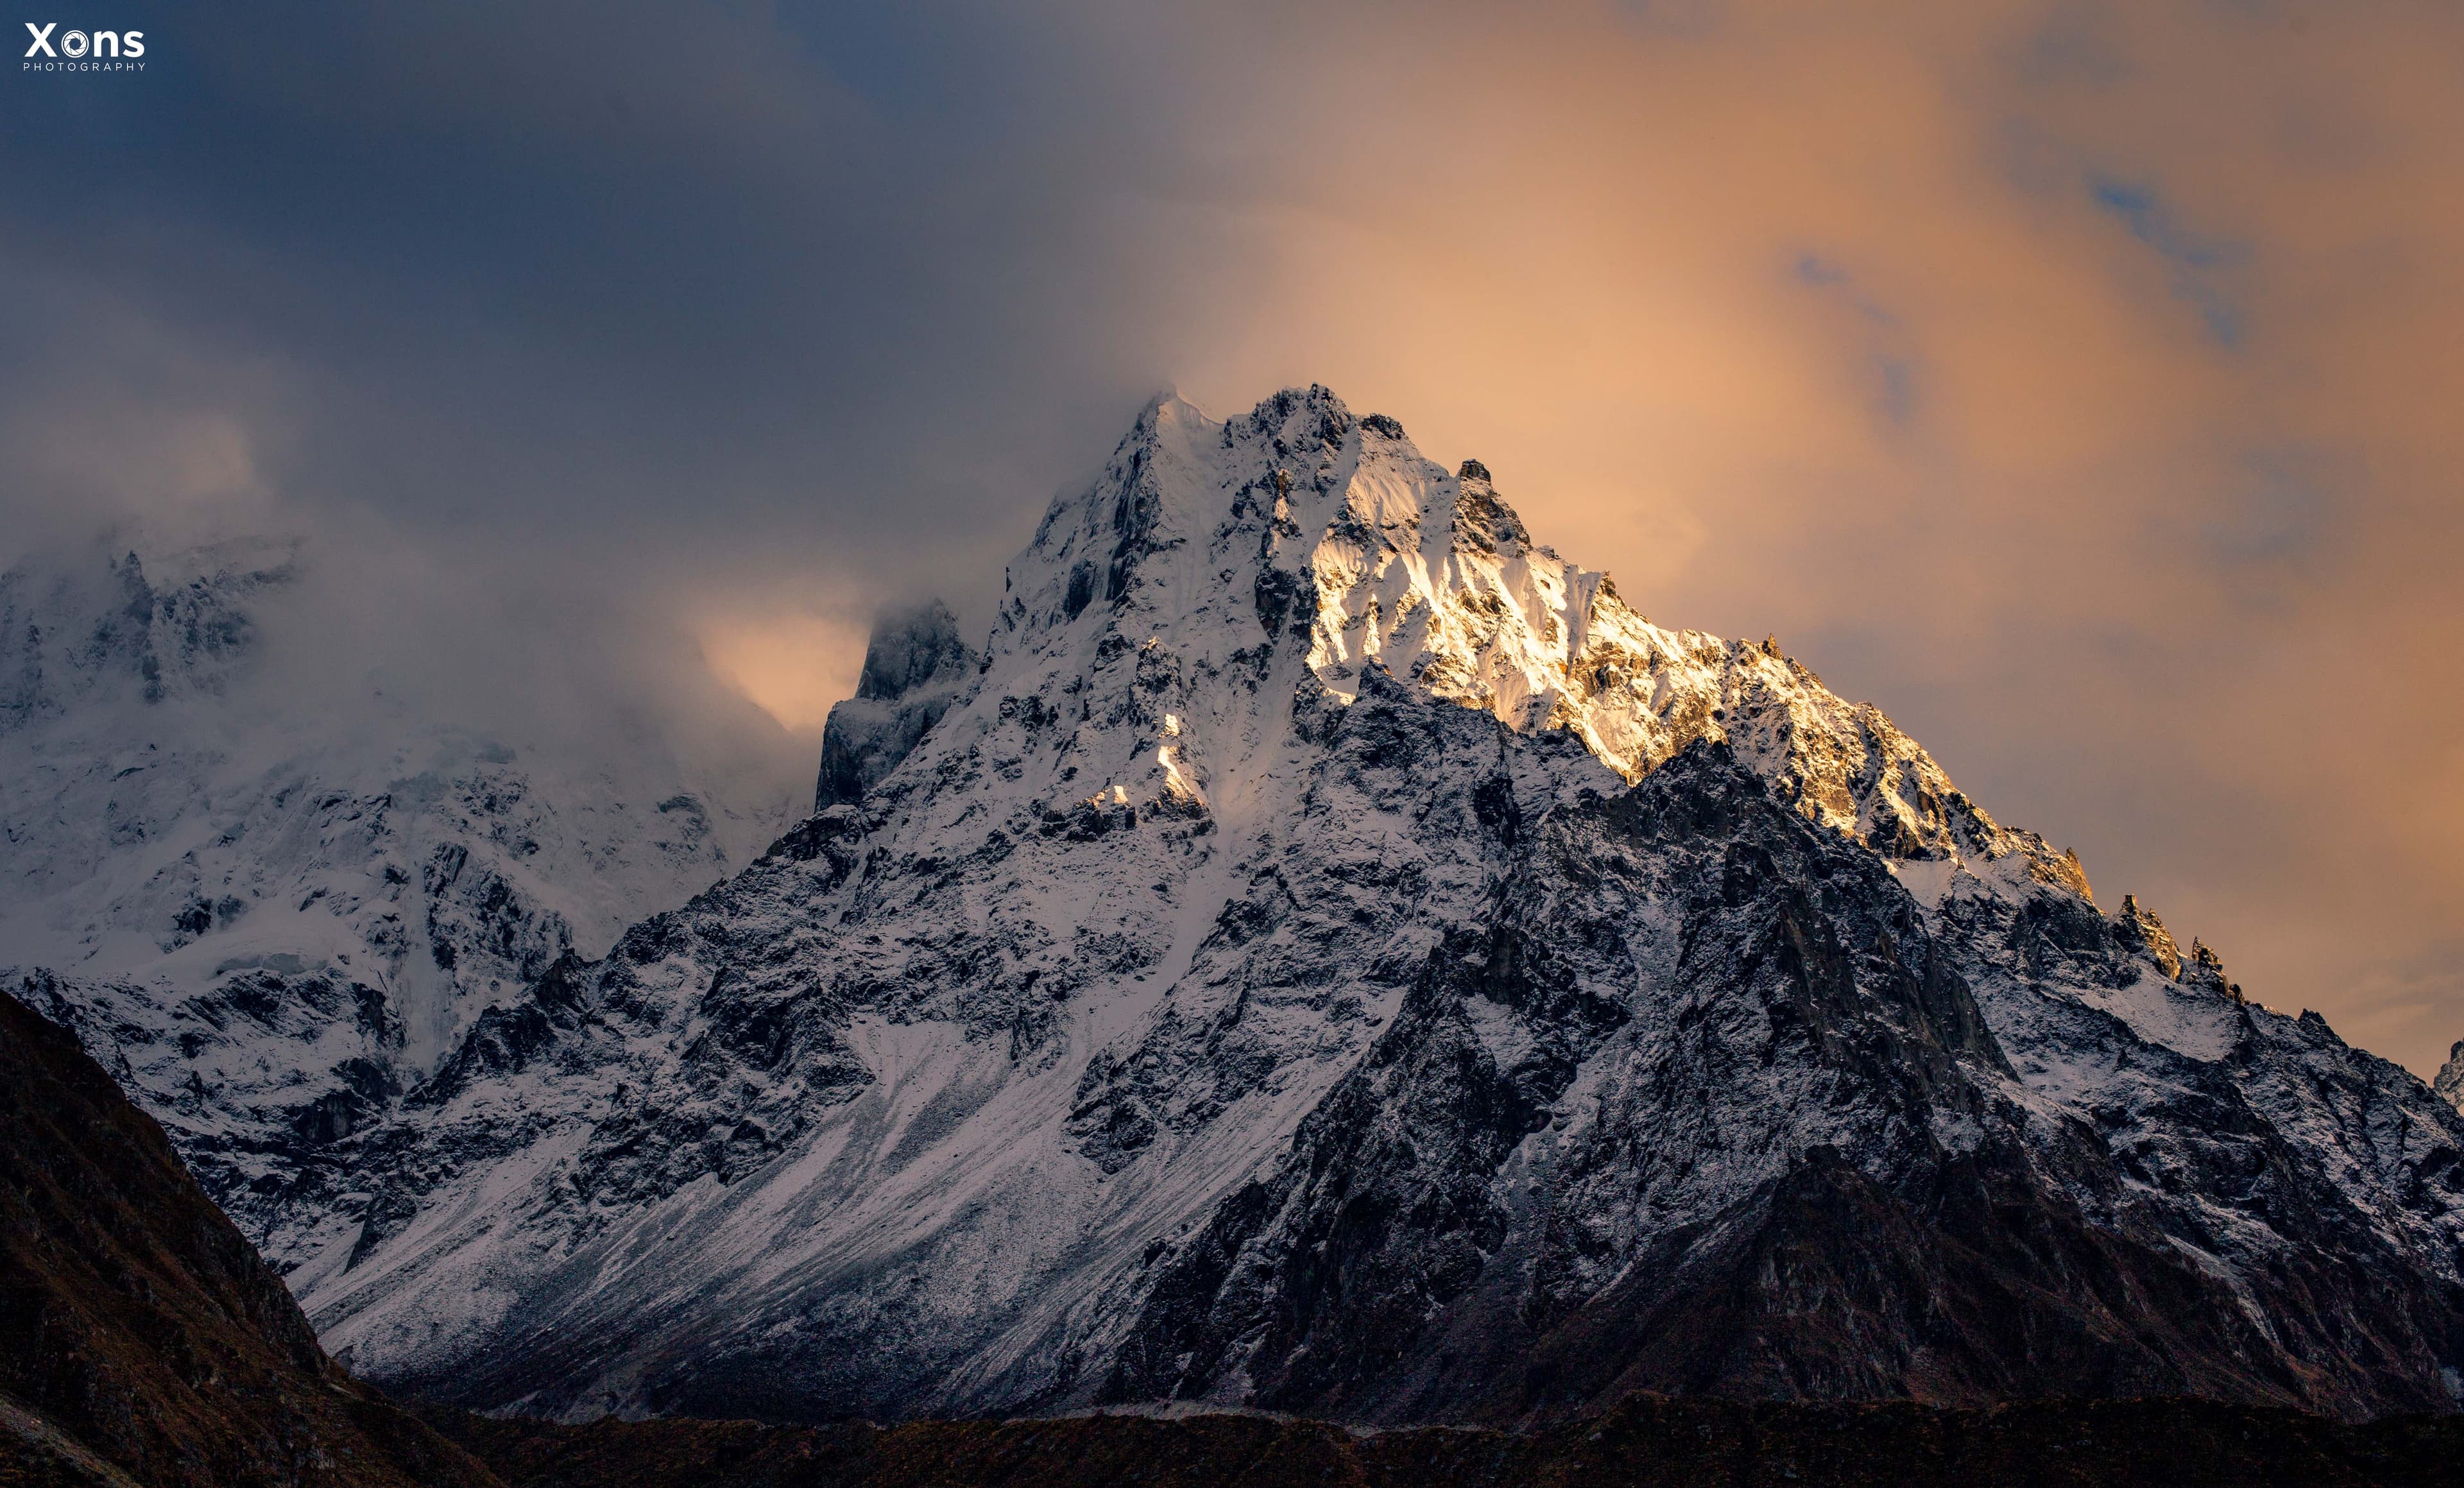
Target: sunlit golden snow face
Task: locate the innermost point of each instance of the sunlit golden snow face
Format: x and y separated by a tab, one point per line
2076	381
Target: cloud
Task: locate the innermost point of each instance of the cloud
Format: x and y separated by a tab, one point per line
2283	526
2073	379
2199	265
1893	366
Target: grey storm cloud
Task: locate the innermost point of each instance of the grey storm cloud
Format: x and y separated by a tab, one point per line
612	281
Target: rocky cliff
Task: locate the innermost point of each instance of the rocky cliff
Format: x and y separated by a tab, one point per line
915	666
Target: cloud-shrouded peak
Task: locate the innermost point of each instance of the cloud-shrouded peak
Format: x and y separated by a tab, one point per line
915	666
912	646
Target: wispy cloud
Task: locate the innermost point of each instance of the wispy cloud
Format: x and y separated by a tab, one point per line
2199	265
1878	336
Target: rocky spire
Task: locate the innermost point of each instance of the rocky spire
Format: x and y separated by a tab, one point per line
913	667
2140	929
2449	1083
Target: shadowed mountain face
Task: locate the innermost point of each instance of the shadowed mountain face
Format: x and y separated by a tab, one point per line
1329	953
914	667
141	1339
269	899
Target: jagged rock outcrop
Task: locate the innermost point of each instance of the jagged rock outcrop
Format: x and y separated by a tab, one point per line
915	666
141	1339
2450	1083
67	634
1334	955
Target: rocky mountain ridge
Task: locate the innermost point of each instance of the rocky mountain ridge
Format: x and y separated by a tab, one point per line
272	913
1327	953
1335	956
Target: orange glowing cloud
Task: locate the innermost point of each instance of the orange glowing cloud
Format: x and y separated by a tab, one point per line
792	665
2075	380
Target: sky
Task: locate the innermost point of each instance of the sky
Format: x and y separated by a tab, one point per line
2076	381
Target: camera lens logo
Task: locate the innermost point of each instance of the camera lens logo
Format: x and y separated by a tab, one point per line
82	52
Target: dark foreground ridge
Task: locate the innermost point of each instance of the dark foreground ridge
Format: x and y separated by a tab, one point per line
1645	1442
142	1340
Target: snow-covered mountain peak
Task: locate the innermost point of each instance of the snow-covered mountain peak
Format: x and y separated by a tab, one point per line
1215	542
238	559
271	905
125	627
1328	951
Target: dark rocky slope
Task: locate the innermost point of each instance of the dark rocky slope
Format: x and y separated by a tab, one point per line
141	1339
1960	1249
